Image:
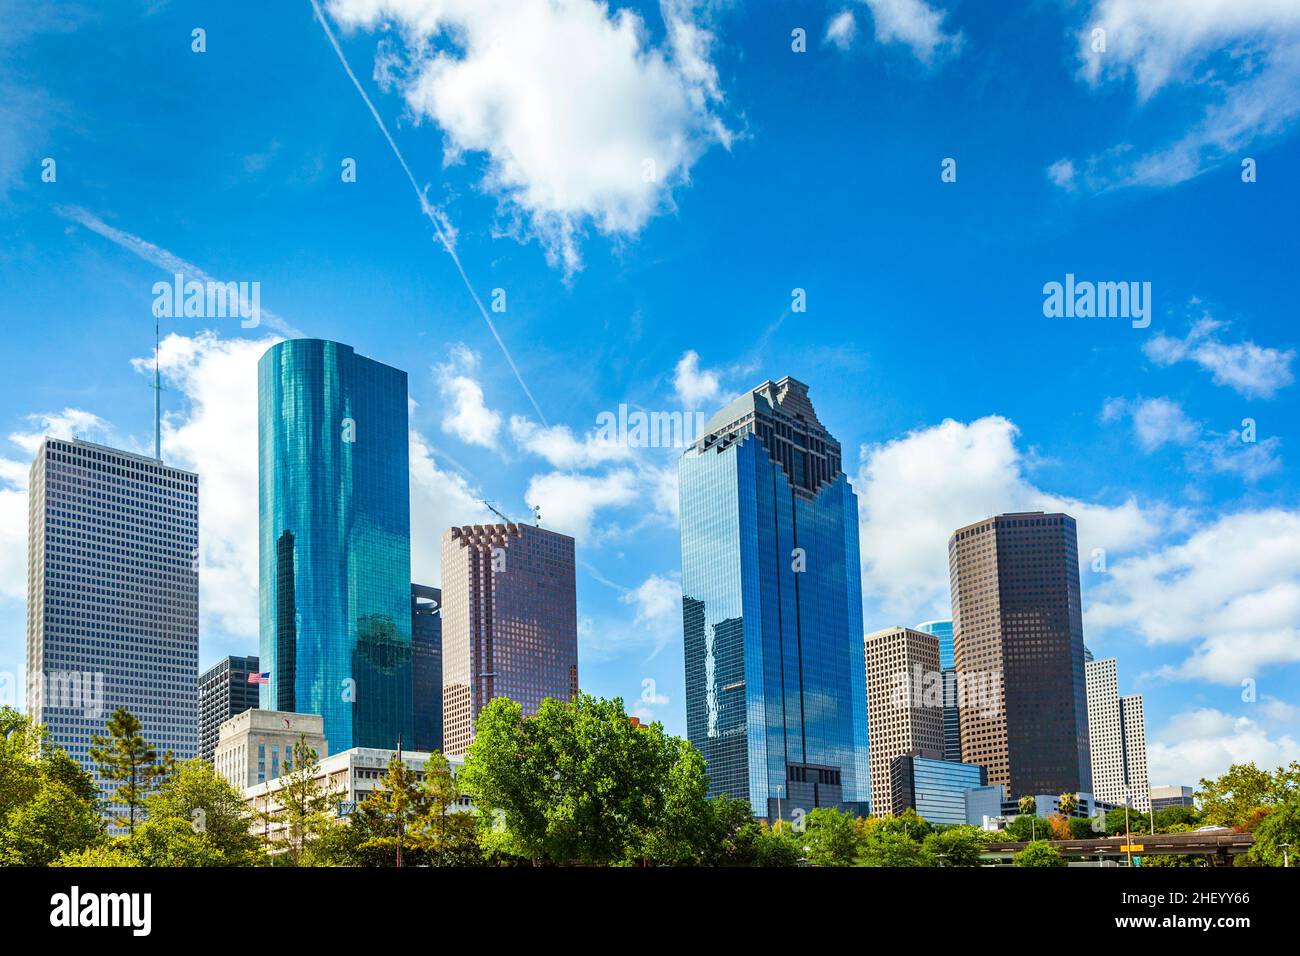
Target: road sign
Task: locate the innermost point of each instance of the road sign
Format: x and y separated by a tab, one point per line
1132	848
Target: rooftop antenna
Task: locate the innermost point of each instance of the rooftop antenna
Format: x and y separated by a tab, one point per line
495	512
157	395
537	515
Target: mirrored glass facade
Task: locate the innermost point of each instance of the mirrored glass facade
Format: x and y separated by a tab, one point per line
334	504
935	789
772	607
947	663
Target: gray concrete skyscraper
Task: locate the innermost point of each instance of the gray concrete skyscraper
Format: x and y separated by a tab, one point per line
112	596
1118	740
1017	621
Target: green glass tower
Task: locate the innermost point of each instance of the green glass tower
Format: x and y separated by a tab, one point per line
335	541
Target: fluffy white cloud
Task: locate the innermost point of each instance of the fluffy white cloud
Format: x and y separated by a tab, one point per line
912	496
569	501
1202	744
1251	370
1241	58
696	386
558	445
1160	421
470	419
841	29
439	500
583	121
916	24
658	604
1232	589
1156	421
69	423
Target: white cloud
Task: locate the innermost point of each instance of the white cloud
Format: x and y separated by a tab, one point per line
69	423
470	419
558	445
841	29
916	24
913	492
215	435
1251	370
1160	421
696	386
439	500
1239	60
1202	744
569	501
1231	588
1062	173
658	604
567	100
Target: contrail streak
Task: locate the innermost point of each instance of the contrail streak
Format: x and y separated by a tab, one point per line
160	257
431	213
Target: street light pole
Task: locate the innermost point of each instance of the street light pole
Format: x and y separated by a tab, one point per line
1286	857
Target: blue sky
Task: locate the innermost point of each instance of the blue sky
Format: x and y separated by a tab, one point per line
526	128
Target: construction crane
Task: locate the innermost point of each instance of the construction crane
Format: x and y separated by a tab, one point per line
497	513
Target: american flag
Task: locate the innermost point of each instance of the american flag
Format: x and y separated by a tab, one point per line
262	678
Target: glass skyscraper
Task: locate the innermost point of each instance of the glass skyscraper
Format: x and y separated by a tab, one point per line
772	607
334	500
426	667
948	665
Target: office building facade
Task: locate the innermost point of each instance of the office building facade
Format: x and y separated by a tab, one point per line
1165	798
112	597
224	692
772	607
1117	738
426	668
904	706
948	665
257	745
509	622
1017	622
935	789
334	505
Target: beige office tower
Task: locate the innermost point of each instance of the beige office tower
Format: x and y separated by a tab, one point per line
1117	738
1018	645
509	622
904	705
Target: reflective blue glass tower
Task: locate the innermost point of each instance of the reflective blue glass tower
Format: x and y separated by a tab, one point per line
334	506
772	607
948	665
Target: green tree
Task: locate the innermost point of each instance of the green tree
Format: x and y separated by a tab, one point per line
391	812
304	816
1038	853
1280	826
735	834
1028	806
957	845
1231	799
1025	828
892	847
578	782
1081	829
1171	816
48	805
55	821
130	761
214	819
777	846
445	831
105	854
831	837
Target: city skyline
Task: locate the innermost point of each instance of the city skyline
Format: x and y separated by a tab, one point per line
924	337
